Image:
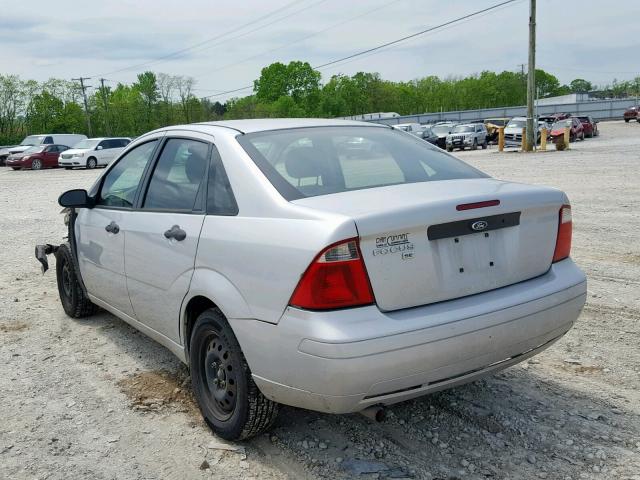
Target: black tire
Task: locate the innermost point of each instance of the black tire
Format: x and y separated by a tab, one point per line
627	120
36	164
449	149
68	168
91	163
485	144
475	144
74	302
230	402
16	168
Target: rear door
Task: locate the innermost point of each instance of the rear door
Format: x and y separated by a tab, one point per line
163	233
100	231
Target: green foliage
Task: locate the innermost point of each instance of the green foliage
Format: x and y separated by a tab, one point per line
580	85
291	90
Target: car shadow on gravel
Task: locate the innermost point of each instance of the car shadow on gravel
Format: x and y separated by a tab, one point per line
517	421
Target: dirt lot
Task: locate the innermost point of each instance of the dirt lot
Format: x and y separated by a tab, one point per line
95	399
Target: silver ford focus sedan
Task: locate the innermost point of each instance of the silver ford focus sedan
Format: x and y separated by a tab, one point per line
330	265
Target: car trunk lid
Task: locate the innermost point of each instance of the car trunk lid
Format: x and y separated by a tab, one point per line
419	248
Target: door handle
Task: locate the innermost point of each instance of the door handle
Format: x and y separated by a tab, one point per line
112	228
176	232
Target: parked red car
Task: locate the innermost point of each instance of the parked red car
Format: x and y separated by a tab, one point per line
632	113
36	157
576	130
590	126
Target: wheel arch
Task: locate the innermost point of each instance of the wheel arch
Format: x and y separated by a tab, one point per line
210	289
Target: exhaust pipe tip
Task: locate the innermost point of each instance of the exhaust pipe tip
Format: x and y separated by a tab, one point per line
375	412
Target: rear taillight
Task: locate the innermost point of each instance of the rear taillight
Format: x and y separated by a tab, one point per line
563	242
337	278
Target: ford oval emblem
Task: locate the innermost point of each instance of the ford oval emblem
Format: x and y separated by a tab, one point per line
479	225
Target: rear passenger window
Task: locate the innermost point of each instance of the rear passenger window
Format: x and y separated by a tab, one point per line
178	176
48	140
220	199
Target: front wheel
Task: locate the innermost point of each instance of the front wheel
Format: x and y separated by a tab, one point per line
68	168
230	402
475	144
74	302
16	168
449	149
485	144
36	164
627	120
91	163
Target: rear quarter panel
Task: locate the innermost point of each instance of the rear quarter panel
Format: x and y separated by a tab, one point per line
249	266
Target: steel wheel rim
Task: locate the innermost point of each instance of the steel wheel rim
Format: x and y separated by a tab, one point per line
220	380
66	280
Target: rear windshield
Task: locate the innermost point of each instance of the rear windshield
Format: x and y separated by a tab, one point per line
307	162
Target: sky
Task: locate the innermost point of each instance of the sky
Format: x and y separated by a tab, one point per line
224	44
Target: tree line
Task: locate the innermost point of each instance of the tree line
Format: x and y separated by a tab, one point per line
282	90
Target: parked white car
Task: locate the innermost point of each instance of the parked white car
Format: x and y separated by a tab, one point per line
285	271
93	152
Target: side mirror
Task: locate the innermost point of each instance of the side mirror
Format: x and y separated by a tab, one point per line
99	147
77	198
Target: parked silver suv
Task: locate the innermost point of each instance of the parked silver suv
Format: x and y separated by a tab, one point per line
467	135
285	269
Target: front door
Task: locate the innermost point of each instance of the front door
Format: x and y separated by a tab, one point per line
100	231
162	236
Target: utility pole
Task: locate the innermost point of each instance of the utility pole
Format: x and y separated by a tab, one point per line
524	81
106	105
84	97
532	128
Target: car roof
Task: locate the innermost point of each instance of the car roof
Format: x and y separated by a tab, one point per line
265	124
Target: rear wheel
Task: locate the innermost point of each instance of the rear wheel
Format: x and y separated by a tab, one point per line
36	164
230	402
74	302
16	168
91	163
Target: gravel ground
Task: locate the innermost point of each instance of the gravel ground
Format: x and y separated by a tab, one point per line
95	399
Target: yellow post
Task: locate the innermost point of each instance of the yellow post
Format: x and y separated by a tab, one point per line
501	139
524	139
567	136
543	139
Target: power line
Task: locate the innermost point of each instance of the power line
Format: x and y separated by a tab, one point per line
351	19
422	32
393	42
222	35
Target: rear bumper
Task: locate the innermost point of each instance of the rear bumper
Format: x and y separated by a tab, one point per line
344	361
